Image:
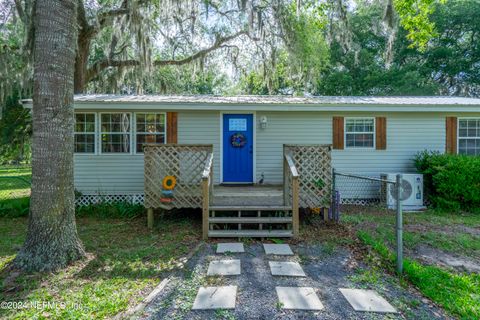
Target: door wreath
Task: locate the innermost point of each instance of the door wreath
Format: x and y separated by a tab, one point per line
238	140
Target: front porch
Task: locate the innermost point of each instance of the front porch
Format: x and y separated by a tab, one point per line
237	210
248	195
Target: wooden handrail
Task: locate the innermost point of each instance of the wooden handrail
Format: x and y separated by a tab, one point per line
292	170
207	188
291	165
208	166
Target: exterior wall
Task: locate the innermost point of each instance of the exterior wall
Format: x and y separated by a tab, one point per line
107	174
407	134
287	128
201	127
123	174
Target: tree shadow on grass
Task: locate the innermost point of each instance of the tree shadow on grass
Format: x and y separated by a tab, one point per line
122	255
132	251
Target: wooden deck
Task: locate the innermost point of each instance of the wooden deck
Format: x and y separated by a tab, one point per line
237	210
247	196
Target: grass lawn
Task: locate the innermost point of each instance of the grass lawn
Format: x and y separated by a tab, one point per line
14	182
14	190
454	233
125	262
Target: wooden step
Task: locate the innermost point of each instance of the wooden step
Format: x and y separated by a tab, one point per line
250	208
250	233
250	220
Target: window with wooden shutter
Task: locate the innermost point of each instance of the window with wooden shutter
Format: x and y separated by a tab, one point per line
381	133
359	133
451	135
338	133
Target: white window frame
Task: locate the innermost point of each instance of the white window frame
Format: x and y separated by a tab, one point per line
100	132
95	134
135	129
458	132
373	132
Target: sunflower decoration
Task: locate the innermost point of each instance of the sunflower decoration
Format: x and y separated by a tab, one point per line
168	185
169	182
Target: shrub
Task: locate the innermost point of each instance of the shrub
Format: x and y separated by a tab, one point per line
452	182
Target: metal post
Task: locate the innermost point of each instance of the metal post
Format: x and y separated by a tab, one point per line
334	196
399	225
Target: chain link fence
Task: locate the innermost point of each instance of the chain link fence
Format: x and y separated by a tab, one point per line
14	195
352	191
360	190
14	187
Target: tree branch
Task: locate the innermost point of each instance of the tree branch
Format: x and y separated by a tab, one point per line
202	53
106	16
103	64
20	11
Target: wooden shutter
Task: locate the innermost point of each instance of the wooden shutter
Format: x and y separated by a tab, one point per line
338	134
172	127
451	133
381	133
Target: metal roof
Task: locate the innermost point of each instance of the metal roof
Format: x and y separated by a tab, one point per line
275	100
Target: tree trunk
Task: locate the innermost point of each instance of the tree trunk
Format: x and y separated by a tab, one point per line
81	62
52	240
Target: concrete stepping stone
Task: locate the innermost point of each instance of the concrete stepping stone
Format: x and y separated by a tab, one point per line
224	268
298	298
292	269
367	300
278	249
232	247
215	298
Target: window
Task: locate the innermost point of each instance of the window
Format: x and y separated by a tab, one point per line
469	136
115	132
84	133
359	132
150	129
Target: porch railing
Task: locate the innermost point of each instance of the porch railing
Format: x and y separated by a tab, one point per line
291	190
313	165
207	192
187	164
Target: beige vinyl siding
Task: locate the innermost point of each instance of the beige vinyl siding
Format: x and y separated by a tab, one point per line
108	174
287	128
407	134
123	174
201	127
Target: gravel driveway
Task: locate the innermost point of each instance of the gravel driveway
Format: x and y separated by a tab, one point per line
327	270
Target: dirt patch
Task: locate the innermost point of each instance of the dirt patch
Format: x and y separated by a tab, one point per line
438	257
326	271
450	229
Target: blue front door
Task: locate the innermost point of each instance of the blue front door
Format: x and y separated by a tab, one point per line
238	148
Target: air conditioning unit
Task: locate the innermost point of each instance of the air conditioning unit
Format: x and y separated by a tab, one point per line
412	191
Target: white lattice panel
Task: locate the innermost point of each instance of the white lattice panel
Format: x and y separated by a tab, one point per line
92	199
314	166
186	163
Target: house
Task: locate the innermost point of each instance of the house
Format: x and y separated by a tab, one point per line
366	135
